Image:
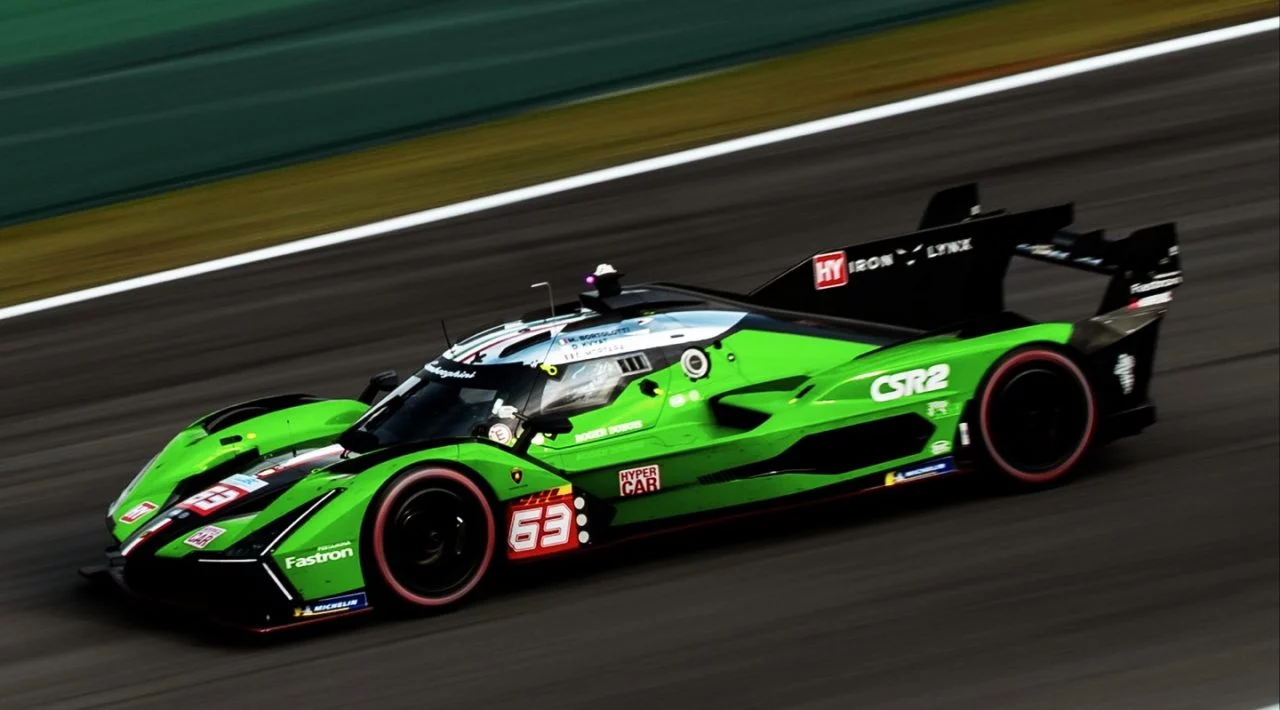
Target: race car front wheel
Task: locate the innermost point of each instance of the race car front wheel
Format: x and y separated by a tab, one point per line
1037	416
431	540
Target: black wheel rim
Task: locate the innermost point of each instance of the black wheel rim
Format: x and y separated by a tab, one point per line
436	541
1038	418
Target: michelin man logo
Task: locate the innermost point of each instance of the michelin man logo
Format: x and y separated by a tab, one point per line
1124	371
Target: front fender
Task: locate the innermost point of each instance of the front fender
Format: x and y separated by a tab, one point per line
201	452
340	524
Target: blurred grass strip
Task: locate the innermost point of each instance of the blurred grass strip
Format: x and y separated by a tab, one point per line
203	222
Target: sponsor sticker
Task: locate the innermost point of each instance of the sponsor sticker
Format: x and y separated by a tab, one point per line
501	433
444	374
138	512
932	251
545	523
683	398
1048	251
611	430
201	538
829	270
319	557
1158	284
941	446
1123	371
872	263
245	482
938	408
887	388
333	605
926	470
582	340
638	481
229	490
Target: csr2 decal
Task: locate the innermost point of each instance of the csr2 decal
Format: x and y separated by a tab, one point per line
887	388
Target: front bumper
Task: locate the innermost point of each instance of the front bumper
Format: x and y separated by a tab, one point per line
245	594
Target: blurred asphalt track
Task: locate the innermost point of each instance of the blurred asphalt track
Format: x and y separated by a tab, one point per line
1151	583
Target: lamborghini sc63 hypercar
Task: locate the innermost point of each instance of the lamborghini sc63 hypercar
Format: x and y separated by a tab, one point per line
637	407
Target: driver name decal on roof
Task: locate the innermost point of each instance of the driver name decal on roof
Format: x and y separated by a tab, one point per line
658	331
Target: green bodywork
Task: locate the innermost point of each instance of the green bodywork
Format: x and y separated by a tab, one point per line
674	429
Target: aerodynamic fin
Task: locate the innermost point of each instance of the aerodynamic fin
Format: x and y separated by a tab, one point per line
1144	267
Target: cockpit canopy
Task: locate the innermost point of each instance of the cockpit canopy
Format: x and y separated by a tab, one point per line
489	384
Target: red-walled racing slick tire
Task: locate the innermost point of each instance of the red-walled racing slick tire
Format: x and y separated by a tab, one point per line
431	540
1037	416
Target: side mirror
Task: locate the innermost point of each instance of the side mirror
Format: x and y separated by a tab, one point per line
549	425
541	425
379	383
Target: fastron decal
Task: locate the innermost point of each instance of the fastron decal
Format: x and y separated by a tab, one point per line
319	558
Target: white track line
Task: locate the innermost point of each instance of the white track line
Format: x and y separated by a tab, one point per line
662	162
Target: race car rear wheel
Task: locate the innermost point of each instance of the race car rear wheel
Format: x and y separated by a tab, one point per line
432	538
1037	416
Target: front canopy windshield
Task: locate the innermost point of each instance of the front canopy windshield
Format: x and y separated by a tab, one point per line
444	399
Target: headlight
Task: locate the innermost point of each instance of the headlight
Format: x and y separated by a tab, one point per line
111	509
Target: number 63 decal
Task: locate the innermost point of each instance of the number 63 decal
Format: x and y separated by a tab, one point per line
541	527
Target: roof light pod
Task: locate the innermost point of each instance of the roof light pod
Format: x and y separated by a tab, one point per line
607	280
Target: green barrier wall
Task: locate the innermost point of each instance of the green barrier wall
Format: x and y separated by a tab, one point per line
103	99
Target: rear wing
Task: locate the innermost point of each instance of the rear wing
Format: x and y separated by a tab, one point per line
952	269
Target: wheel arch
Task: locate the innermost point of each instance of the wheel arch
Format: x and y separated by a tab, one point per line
975	452
370	560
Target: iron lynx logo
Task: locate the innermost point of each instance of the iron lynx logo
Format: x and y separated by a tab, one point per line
871	263
933	251
832	269
887	388
318	558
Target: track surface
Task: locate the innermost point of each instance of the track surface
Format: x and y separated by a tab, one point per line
1151	583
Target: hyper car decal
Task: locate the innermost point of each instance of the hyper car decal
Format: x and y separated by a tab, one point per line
640	480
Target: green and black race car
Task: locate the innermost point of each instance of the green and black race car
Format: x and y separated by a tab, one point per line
641	407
